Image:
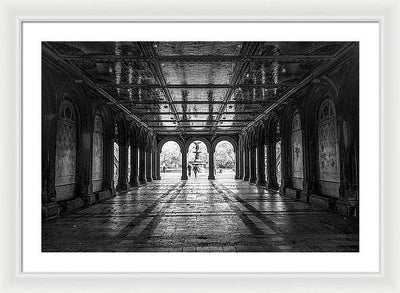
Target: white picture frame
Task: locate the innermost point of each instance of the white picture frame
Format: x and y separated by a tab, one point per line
386	13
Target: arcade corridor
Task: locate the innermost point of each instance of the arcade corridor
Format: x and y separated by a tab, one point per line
289	112
199	215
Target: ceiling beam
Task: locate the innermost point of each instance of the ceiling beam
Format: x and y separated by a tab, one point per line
200	113
105	58
197	86
148	51
247	50
236	102
78	73
200	126
197	120
314	74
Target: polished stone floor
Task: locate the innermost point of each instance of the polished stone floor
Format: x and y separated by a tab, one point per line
198	215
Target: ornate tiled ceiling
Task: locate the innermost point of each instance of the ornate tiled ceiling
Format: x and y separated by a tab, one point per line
194	87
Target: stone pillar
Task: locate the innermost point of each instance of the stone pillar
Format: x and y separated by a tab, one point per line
253	168
211	168
184	166
123	167
272	181
240	163
237	164
84	166
158	175
153	166
142	166
261	166
108	180
134	180
148	166
246	165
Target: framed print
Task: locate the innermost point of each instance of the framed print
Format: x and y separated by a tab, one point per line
202	150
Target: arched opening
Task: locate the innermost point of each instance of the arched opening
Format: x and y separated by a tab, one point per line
170	160
224	160
98	153
197	160
66	151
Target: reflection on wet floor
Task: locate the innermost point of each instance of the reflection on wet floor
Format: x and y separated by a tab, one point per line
198	215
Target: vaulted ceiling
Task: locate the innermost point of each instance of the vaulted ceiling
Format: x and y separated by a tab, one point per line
195	88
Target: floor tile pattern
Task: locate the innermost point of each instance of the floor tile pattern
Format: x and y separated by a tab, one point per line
198	215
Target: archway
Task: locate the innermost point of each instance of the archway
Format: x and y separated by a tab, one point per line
224	160
197	160
170	160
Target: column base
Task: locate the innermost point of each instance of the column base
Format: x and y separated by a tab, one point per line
184	177
134	183
261	183
211	177
50	210
252	180
142	181
149	179
122	187
89	198
158	177
273	186
246	178
155	178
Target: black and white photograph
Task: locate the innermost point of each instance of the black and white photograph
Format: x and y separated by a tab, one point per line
200	146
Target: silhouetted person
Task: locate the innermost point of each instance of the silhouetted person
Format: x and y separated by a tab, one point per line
190	170
195	170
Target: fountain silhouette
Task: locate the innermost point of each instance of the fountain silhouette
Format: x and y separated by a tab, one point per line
197	161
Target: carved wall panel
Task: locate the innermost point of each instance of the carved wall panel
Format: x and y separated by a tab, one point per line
278	162
328	144
328	151
65	171
297	152
116	163
97	160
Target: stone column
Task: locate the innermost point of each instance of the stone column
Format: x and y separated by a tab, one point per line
134	180
240	163
123	167
84	165
237	164
148	166
153	166
246	165
272	181
184	166
261	166
253	168
158	175
142	166
211	173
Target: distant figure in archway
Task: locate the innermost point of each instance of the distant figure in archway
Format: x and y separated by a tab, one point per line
195	170
190	170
